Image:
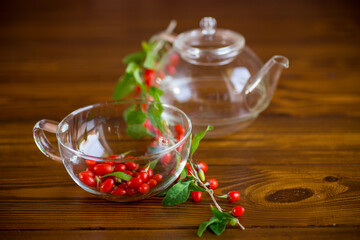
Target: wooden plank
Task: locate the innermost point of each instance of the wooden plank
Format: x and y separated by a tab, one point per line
326	233
301	92
296	166
271	140
293	196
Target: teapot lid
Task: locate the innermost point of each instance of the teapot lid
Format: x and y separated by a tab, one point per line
209	45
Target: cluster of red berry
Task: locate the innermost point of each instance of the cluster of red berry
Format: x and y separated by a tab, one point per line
180	131
149	74
173	62
142	178
212	183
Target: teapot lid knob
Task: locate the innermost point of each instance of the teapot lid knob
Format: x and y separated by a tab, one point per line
208	25
209	46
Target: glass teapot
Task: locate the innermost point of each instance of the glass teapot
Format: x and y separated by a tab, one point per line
216	80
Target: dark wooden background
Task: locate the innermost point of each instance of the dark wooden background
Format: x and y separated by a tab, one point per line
297	167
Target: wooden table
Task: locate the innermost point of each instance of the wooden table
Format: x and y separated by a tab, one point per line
297	166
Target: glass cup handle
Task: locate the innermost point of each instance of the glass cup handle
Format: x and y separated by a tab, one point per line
43	142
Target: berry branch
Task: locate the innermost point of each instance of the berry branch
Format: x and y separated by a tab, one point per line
146	120
234	195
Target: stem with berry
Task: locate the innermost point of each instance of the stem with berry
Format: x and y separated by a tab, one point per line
210	191
192	182
139	76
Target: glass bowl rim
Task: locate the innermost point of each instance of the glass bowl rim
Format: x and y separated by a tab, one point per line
122	159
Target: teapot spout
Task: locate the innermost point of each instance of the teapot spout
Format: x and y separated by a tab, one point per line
261	87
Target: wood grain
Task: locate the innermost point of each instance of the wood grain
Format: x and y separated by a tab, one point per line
318	195
296	166
261	143
327	233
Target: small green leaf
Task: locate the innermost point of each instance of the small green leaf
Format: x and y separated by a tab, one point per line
153	163
155	116
124	86
221	215
137	57
131	68
151	56
150	60
178	159
145	46
156	93
204	225
135	117
160	107
136	131
139	80
183	175
196	188
121	175
160	63
128	111
126	153
197	138
190	177
177	194
218	227
148	46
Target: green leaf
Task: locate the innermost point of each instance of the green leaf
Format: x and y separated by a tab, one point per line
178	159
148	46
183	175
223	216
132	67
160	63
177	194
136	131
121	175
156	93
197	138
150	60
153	163
204	225
126	153
137	57
145	46
160	107
135	117
196	188
139	80
128	111
155	116
218	227
124	86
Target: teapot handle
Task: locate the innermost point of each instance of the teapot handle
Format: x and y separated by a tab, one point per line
43	143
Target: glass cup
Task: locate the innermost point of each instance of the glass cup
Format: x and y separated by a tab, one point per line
97	134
